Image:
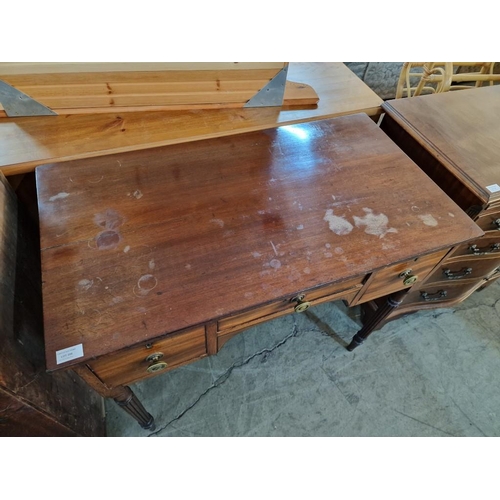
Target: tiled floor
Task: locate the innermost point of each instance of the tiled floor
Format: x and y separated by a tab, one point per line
434	373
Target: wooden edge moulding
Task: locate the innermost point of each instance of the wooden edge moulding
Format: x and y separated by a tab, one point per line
76	88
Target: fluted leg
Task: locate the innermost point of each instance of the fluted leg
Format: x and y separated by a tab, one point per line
131	404
392	302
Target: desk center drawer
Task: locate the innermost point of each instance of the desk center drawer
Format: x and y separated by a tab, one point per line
295	303
150	358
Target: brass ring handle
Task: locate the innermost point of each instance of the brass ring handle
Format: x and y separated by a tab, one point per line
153	358
409	278
301	304
157	367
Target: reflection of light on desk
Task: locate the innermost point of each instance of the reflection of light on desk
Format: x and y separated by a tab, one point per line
294	142
298	131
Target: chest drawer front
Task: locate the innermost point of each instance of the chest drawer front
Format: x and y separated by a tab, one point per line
456	269
433	293
488	245
257	315
400	276
489	221
148	359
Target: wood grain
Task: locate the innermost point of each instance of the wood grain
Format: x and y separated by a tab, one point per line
28	142
66	100
142	244
44	68
103	91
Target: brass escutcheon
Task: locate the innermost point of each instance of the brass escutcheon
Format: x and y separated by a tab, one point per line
157	367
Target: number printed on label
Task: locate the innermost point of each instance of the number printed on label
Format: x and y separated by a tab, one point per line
69	353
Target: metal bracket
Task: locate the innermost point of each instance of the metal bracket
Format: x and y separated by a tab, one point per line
272	94
16	103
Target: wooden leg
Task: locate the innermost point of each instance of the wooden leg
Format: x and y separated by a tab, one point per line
122	395
393	301
131	404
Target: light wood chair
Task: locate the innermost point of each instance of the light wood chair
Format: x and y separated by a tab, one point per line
420	78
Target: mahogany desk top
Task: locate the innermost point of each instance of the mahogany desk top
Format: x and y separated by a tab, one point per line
28	142
461	129
188	234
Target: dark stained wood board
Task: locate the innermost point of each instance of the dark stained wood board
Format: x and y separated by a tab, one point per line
461	129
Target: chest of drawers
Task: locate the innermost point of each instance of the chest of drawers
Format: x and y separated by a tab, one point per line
455	139
155	258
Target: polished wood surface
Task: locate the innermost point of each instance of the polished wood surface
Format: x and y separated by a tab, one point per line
137	245
28	142
461	130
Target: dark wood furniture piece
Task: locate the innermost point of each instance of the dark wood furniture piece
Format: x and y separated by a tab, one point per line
455	139
33	403
60	398
154	259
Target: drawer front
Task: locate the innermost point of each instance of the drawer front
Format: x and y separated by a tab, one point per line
346	289
456	269
150	358
400	276
488	245
489	221
432	294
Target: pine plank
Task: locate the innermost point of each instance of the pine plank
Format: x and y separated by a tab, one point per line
139	77
27	142
19	68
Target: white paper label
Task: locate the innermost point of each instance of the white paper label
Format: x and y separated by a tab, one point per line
69	353
494	188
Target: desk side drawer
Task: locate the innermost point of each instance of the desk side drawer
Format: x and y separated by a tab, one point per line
150	358
345	290
392	279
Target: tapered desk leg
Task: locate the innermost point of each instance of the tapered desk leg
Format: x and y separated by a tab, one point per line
122	395
131	404
392	302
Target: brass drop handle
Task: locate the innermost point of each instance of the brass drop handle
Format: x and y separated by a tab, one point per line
484	250
429	297
465	271
301	304
408	278
157	367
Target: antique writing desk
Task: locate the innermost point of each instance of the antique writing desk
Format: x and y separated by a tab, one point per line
155	258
